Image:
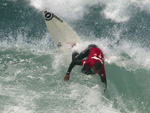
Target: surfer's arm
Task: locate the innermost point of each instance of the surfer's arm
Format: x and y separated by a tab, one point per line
102	75
73	63
103	79
105	82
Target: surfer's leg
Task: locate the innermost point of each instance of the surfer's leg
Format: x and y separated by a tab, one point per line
77	56
85	52
74	55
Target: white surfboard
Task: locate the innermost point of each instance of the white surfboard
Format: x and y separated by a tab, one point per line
62	34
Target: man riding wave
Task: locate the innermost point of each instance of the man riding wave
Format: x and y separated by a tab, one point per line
92	65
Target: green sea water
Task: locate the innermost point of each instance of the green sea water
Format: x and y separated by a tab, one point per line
32	69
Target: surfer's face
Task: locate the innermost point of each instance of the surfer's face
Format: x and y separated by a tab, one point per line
95	71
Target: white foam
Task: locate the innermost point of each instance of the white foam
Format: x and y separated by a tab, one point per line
122	10
74	9
116	10
21	42
142	4
91	99
21	100
128	54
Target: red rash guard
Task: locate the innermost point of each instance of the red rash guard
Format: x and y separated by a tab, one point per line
95	55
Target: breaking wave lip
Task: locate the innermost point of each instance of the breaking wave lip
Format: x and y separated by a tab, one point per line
118	11
127	54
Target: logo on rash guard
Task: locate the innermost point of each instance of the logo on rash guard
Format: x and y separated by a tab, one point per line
96	58
100	56
84	63
95	54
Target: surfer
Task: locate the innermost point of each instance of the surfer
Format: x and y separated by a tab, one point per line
92	65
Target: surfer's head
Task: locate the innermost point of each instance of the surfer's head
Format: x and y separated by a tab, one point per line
96	67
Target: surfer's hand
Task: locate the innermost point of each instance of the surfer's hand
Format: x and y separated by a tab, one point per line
66	78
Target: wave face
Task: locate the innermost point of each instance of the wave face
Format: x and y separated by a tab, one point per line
32	69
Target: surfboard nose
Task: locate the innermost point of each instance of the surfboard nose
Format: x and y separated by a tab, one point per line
48	16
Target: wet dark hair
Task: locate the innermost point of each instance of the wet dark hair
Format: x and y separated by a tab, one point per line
97	65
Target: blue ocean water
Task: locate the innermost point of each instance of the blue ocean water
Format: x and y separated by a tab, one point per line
32	69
